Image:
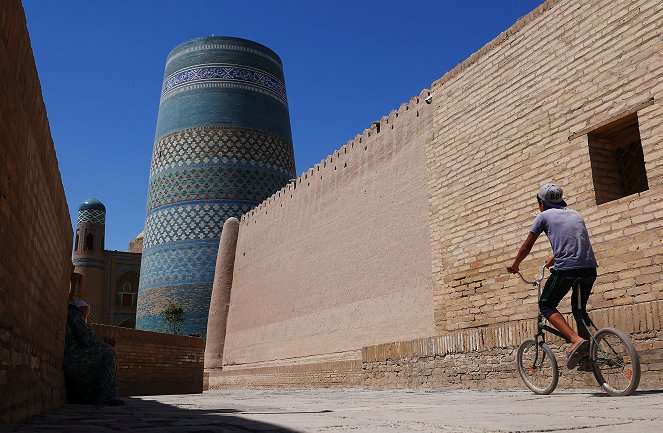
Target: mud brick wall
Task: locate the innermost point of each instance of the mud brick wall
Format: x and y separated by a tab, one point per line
485	357
151	363
471	358
516	115
136	245
339	258
35	234
310	375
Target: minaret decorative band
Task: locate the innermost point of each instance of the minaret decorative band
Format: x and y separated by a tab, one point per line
223	145
92	216
224	76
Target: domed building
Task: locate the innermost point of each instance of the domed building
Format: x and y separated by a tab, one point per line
107	280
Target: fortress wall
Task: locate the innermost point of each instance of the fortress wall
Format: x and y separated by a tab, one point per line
513	116
35	234
485	357
516	115
339	258
467	358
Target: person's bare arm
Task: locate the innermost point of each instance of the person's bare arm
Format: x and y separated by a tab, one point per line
524	250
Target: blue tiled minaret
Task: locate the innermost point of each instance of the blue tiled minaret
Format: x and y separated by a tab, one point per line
223	145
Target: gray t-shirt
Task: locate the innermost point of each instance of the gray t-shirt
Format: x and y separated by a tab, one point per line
568	237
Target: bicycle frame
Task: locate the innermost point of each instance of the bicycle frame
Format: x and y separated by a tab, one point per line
540	324
601	350
540	336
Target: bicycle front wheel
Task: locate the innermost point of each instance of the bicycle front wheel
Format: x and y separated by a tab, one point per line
537	367
616	362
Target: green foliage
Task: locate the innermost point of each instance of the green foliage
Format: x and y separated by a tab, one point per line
173	315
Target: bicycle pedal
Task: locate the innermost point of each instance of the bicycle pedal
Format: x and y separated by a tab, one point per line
585	365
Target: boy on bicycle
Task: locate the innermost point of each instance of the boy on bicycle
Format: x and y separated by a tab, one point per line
573	264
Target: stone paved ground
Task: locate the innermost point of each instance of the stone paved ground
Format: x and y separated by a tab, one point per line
359	410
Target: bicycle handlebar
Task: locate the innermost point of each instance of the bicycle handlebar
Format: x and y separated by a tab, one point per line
536	281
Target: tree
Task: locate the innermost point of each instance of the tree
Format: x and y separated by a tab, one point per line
173	315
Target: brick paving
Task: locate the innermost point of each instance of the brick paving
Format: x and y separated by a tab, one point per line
360	410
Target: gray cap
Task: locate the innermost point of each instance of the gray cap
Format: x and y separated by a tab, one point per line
552	196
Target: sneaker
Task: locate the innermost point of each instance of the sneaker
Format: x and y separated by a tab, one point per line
576	354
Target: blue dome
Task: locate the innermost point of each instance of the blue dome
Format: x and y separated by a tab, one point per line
92	204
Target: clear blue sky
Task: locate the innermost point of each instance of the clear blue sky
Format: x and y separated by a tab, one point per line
347	63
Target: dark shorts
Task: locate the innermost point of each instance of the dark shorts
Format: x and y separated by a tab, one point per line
558	285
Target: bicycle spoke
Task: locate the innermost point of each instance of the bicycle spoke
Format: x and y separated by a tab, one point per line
616	362
537	368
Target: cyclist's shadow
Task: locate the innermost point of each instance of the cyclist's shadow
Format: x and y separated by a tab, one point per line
635	393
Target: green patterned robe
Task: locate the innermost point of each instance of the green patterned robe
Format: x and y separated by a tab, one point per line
89	363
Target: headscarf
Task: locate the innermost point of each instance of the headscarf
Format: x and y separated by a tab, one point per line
79	303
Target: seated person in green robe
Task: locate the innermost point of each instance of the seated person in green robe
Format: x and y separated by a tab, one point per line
89	362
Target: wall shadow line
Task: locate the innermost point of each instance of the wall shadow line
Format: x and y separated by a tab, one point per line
139	414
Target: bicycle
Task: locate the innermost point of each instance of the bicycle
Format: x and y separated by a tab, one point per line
612	356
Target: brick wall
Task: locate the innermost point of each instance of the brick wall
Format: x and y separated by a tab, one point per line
309	375
93	283
151	363
511	119
514	115
485	357
320	269
470	358
35	234
136	245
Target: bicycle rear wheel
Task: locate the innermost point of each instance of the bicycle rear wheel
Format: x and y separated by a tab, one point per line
616	362
537	367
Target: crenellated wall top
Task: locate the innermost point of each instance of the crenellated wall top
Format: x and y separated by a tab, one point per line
387	127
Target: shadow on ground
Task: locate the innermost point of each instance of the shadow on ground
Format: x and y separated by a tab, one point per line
142	416
637	392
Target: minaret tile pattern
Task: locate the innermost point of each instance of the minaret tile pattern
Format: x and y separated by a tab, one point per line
223	144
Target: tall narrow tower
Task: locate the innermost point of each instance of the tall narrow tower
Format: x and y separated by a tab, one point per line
223	145
89	259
